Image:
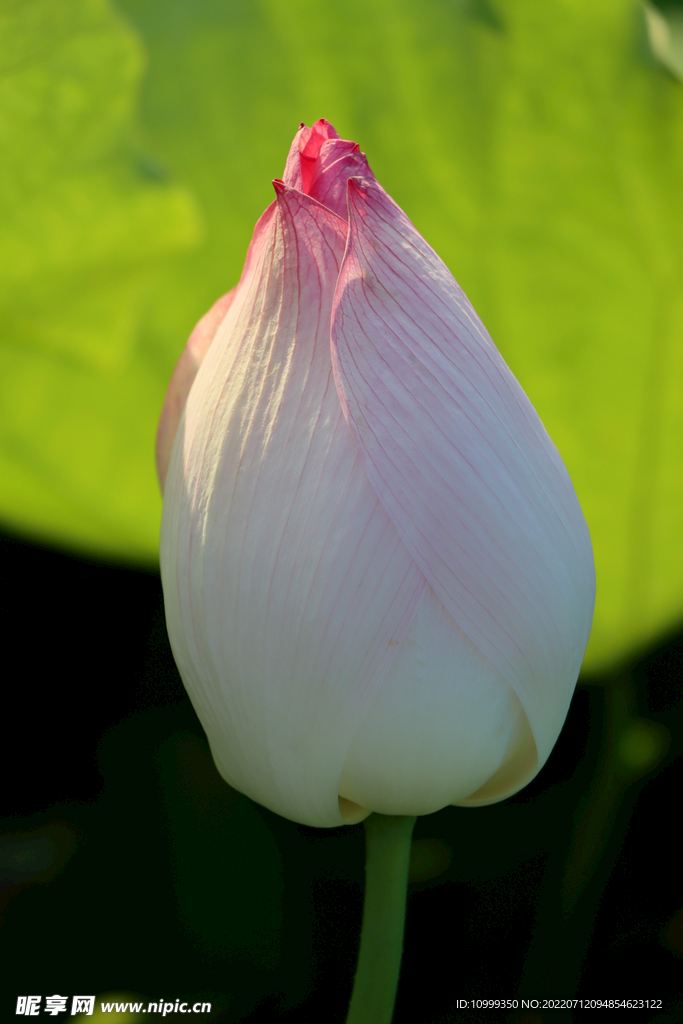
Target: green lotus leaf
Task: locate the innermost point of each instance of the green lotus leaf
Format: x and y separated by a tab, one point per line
86	226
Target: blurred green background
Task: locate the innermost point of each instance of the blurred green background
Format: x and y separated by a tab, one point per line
537	146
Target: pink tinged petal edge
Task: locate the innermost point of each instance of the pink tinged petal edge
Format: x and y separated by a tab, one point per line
183	377
460	460
288	589
195	351
291	175
193	355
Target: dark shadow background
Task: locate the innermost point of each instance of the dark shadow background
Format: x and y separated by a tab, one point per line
127	865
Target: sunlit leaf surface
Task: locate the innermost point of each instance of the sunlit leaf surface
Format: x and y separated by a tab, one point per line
537	146
85	225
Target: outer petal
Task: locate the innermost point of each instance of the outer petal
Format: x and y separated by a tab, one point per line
443	723
183	378
288	590
460	460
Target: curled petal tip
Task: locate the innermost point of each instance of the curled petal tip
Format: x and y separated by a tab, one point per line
325	128
279	186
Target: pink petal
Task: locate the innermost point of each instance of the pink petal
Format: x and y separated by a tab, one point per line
288	590
320	163
338	160
292	172
460	460
312	140
303	153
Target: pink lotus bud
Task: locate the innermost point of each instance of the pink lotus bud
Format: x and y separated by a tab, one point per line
379	583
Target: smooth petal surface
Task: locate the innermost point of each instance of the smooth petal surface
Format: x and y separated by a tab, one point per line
441	724
287	588
460	460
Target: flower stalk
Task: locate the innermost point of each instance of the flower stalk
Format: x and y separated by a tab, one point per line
387	861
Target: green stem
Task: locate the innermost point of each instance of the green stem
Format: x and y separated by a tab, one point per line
387	860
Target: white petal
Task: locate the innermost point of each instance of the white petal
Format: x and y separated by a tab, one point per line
460	460
287	588
440	726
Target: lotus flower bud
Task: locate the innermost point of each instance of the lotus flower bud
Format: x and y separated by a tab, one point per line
379	583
